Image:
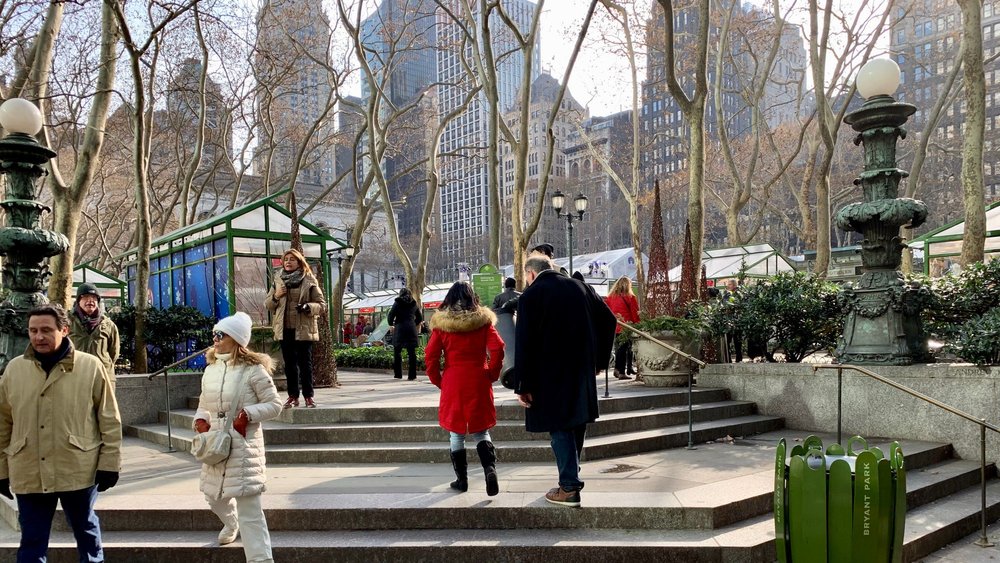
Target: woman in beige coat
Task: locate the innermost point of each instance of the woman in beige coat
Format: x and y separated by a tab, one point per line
295	303
233	487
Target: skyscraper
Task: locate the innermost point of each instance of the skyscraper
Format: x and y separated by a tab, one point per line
400	40
465	201
294	91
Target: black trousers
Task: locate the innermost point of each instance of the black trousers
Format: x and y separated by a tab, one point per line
623	356
397	360
298	364
735	341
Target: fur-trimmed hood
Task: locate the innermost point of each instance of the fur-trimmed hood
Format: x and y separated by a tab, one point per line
449	320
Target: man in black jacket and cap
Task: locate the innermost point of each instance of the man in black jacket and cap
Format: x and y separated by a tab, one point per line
564	337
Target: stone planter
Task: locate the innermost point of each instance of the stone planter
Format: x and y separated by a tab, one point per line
660	367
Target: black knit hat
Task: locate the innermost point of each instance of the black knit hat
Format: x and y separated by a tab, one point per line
545	248
87	289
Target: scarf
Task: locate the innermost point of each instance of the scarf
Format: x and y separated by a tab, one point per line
89	322
49	361
293	279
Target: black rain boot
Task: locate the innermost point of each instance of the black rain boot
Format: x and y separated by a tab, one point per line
488	457
461	464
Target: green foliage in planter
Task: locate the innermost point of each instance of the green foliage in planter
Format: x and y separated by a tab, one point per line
794	313
692	327
978	340
962	312
166	331
376	357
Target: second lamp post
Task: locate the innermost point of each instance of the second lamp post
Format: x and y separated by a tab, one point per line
580	204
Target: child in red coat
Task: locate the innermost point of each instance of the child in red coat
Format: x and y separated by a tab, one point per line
462	331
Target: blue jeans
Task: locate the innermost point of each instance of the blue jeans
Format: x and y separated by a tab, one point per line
457	441
35	513
567	445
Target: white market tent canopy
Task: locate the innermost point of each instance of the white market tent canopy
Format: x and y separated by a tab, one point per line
609	264
758	260
942	247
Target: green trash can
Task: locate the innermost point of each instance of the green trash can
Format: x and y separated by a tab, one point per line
839	506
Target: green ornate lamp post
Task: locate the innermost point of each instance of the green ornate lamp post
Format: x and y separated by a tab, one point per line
883	311
23	243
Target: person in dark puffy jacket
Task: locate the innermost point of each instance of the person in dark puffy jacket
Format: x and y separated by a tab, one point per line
404	316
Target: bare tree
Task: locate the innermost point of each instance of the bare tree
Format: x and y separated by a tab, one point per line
974	80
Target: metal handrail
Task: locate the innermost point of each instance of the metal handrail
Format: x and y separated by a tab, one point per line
166	389
983	540
691	358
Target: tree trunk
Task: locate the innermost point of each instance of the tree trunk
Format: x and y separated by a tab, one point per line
974	239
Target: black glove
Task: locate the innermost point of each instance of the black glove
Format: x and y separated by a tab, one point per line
302	307
5	488
105	480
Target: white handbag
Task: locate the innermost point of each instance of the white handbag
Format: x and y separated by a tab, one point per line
215	446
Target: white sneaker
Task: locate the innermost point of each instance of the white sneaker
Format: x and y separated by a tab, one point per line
228	535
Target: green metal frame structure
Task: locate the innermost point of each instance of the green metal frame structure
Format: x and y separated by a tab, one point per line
946	242
254	235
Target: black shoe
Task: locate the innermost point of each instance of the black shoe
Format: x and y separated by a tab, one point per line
460	463
488	457
398	376
414	378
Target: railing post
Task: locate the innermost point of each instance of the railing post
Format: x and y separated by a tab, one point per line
984	540
690	445
607	389
840	403
166	393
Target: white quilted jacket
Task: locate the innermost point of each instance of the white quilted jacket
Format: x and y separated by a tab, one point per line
243	473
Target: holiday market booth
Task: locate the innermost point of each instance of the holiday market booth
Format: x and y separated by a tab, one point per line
942	247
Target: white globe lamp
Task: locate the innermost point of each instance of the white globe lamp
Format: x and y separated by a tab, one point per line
878	77
18	115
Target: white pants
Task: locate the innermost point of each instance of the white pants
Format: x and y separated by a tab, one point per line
249	513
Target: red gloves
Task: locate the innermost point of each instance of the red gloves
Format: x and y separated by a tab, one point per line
201	426
240	424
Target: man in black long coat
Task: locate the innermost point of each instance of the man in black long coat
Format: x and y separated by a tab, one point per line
564	337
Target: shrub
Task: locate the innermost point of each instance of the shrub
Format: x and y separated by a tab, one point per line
375	357
170	333
963	312
794	313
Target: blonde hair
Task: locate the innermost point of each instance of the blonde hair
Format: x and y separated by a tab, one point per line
243	356
301	259
623	286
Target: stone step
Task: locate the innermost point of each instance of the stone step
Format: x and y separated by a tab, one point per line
933	526
277	432
748	541
599	447
507	406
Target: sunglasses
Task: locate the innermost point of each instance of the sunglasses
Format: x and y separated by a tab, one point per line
218	335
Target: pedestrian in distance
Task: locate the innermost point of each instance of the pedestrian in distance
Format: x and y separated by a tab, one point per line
348	332
295	303
91	331
625	307
233	486
404	316
60	436
462	332
564	337
507	299
359	332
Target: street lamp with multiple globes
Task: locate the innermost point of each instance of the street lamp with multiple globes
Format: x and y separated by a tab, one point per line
344	253
23	242
883	323
580	204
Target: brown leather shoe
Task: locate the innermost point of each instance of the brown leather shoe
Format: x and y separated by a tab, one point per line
310	404
563	497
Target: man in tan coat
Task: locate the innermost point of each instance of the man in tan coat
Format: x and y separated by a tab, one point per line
60	436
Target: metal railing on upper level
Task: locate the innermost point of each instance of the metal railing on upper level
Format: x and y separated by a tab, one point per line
983	540
166	389
689	357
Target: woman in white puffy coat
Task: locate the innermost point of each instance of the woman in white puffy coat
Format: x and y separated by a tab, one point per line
233	487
